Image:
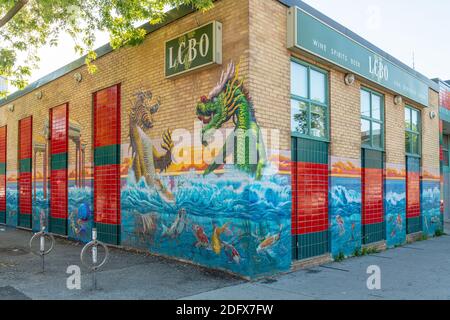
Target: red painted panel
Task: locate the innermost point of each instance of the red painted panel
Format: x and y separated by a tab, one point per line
445	97
294	198
58	178
2	192
3	148
58	195
372	196
107	117
413	194
25	138
107	177
107	194
3	144
310	193
59	129
25	152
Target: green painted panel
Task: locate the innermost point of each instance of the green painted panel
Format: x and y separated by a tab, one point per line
2	216
59	161
310	151
413	225
312	245
25	165
58	225
316	37
194	49
107	155
25	220
2	168
108	233
444	114
372	159
373	233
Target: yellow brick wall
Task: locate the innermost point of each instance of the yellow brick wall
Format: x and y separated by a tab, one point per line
269	79
345	118
269	83
137	68
395	131
264	60
430	134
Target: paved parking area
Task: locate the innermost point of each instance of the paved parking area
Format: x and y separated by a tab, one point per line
415	271
127	275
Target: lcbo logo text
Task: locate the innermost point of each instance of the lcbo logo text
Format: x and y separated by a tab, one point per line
378	68
188	52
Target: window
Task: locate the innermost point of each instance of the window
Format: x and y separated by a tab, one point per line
372	128
309	101
412	135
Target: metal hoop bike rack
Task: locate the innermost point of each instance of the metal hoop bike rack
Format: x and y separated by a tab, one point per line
42	252
94	265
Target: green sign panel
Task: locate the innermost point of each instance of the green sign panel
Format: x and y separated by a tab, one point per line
307	33
195	49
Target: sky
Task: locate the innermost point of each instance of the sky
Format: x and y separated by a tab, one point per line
403	28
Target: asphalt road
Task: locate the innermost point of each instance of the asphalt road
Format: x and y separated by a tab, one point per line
415	271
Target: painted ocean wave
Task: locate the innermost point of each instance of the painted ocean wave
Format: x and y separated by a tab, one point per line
232	196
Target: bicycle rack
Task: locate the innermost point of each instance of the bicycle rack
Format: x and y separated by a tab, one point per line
94	264
42	235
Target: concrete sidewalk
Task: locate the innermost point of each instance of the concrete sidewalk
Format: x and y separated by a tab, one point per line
416	271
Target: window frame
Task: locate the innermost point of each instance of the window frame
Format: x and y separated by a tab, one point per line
372	120
309	102
418	133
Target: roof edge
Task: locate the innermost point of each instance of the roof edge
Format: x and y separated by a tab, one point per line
182	11
170	17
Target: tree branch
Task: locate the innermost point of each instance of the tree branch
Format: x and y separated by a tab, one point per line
12	12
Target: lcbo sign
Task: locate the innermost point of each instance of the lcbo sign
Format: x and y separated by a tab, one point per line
309	34
195	49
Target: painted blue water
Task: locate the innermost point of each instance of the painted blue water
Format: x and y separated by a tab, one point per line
395	207
345	215
252	211
431	214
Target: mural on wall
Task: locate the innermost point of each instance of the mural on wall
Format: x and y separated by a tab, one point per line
345	206
230	101
80	191
395	205
146	158
40	187
12	201
228	216
431	207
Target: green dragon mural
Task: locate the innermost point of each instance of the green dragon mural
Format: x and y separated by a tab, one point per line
229	101
146	158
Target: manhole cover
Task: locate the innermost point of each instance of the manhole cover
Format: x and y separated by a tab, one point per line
13	251
10	293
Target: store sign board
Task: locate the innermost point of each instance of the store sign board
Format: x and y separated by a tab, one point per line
309	34
194	49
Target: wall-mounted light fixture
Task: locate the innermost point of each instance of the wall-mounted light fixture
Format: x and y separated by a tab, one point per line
398	100
78	77
11	107
38	95
432	115
349	79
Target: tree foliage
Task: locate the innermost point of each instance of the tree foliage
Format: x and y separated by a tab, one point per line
27	25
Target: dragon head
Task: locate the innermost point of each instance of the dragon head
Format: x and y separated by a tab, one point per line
221	103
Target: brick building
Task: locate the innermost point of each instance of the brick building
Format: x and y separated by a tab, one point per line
228	143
